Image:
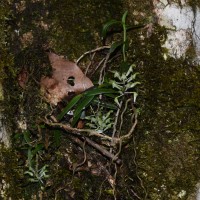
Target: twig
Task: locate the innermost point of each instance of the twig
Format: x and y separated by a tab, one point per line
122	114
76	131
103	151
135	194
92	57
101	77
129	134
100	63
116	120
85	157
91	51
136	171
79	132
120	149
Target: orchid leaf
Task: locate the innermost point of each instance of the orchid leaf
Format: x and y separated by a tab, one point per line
69	106
99	90
133	27
83	104
115	45
107	26
135	94
124	17
37	148
27	136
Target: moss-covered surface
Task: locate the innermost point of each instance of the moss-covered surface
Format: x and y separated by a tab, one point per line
169	129
6	58
162	160
10	174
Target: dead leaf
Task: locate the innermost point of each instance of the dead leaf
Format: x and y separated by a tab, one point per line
67	80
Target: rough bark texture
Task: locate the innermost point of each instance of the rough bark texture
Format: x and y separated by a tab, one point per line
162	160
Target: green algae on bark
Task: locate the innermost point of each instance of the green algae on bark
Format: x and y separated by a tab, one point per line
169	126
10	174
162	161
76	25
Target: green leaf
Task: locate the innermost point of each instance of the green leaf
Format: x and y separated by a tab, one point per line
33	180
69	106
133	27
126	45
75	119
133	77
115	45
83	104
130	70
132	85
117	75
117	101
17	136
124	17
116	85
111	192
106	104
99	90
30	156
29	173
110	95
91	125
108	25
27	136
37	148
42	126
135	94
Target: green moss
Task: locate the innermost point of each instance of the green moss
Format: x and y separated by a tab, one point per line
191	53
162	161
76	26
6	60
10	174
169	123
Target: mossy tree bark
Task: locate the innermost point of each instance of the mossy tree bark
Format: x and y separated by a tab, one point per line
160	161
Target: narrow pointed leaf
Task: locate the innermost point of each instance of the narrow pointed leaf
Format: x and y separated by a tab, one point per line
106	104
97	91
133	76
83	104
115	45
135	94
117	101
30	156
69	106
139	26
37	148
33	180
27	136
124	17
133	85
130	70
107	26
75	119
29	173
110	95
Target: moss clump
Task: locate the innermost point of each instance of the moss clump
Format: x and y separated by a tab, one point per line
152	167
76	26
10	174
166	144
6	60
